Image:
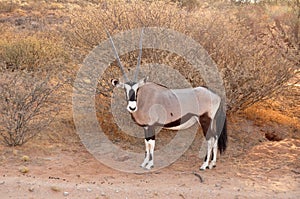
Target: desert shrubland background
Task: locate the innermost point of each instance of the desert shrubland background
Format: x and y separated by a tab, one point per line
256	46
43	44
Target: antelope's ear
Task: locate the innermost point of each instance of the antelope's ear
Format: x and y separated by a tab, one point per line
146	79
143	81
117	83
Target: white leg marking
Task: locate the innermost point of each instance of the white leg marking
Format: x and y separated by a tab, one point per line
215	153
151	144
146	160
210	143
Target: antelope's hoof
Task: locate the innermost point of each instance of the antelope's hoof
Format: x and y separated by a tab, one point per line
148	167
143	165
203	167
212	165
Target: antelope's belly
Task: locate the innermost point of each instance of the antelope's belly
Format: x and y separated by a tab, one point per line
185	125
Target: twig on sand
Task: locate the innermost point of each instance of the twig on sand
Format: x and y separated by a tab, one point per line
294	171
199	176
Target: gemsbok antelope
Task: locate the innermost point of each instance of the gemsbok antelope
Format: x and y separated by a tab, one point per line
152	105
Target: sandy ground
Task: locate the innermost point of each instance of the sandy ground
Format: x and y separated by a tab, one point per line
252	167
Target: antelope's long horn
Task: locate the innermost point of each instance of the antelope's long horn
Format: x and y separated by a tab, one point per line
117	57
140	56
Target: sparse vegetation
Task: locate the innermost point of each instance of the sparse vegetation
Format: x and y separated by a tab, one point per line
30	54
256	46
8	6
27	106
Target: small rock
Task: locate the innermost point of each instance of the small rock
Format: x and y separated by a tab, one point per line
15	151
2	182
88	190
55	188
102	193
31	189
24	170
25	158
66	193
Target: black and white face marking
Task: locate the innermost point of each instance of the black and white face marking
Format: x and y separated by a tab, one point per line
131	89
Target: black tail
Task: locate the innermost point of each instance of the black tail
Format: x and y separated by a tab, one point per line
221	128
222	141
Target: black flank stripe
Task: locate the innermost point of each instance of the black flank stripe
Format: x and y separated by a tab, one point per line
179	121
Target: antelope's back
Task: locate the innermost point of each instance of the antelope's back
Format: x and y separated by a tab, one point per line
158	104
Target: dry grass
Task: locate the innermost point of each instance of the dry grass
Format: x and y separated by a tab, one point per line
8	6
268	113
31	53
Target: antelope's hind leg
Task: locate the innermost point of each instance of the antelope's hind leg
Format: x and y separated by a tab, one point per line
214	154
205	122
210	143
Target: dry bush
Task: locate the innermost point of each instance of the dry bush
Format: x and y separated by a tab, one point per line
8	5
28	104
88	28
252	52
31	53
33	71
256	51
188	4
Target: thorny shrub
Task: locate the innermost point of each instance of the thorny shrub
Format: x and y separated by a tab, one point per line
28	104
33	69
257	52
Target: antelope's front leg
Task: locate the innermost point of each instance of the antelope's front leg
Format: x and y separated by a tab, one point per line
148	161
147	155
149	144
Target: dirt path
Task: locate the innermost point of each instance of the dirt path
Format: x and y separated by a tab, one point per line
162	185
60	172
